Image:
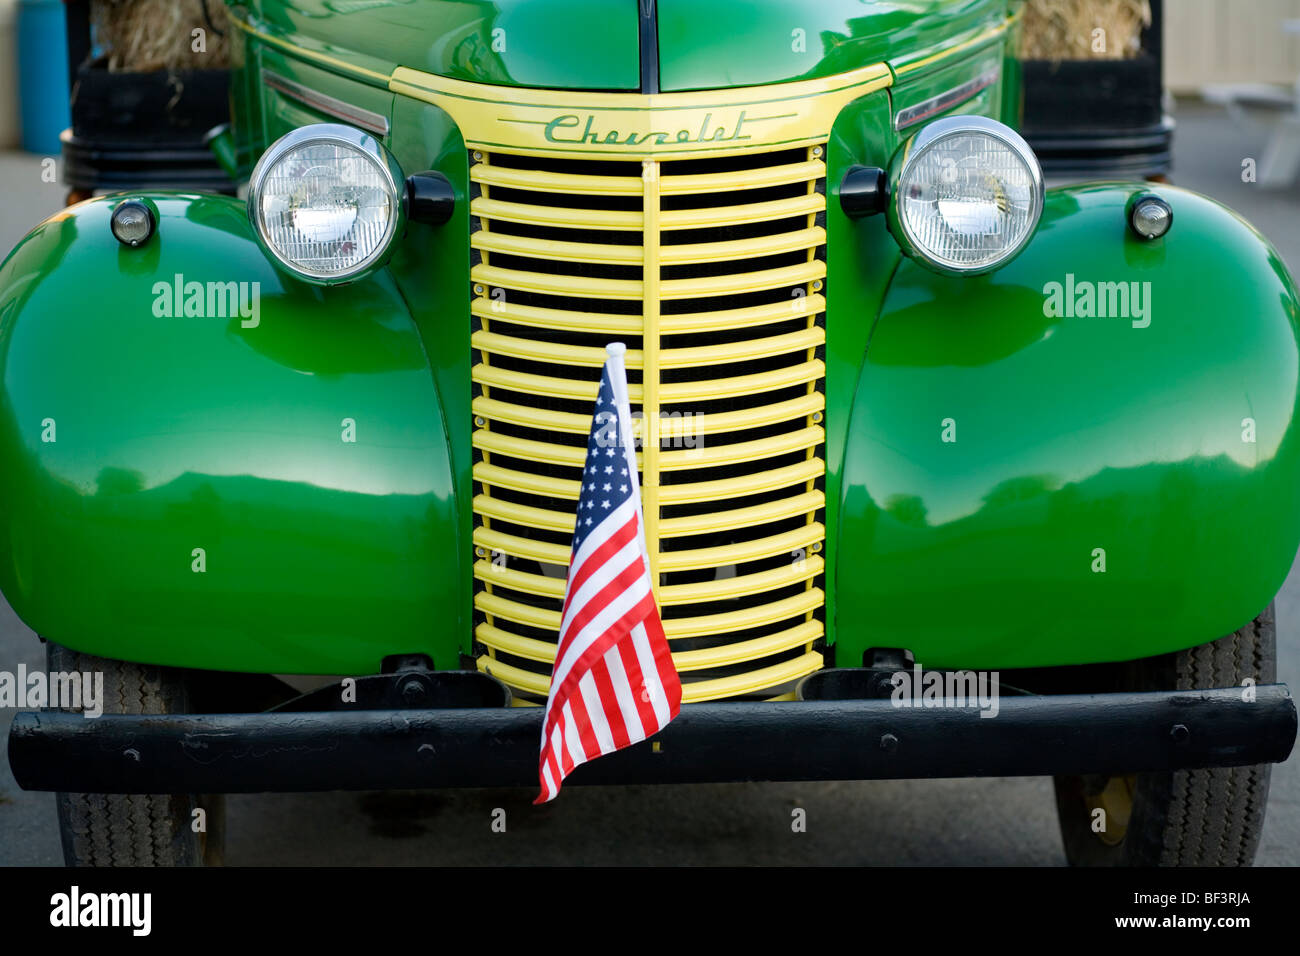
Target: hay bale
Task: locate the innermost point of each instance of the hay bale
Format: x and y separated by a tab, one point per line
1064	29
141	36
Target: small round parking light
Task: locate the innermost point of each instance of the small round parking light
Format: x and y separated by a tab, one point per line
1150	217
132	223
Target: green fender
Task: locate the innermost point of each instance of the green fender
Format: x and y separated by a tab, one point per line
1110	487
132	437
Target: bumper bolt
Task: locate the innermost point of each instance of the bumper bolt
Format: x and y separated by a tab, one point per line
889	743
1179	733
412	692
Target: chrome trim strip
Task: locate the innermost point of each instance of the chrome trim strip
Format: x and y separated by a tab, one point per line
947	99
365	119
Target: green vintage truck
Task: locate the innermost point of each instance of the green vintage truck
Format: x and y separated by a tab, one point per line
905	413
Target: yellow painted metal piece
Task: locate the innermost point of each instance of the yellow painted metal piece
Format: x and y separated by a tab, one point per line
543	384
742	282
683	393
535	384
670	429
952	51
741	584
556	284
496	476
719	521
651	394
543	181
530	449
693	692
751	484
511	544
711	216
541	351
543	318
554	215
551	249
507	577
788	542
801	307
712	455
742	179
738	249
575	124
528	515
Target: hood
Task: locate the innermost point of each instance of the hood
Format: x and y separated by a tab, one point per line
596	44
713	44
558	44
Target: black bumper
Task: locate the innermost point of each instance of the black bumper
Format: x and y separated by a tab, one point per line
857	739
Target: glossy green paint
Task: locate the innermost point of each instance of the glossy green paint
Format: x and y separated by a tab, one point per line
1074	434
861	257
430	265
949	73
560	44
716	44
281	114
324	556
177	433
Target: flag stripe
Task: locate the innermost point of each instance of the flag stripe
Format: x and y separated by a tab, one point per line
613	682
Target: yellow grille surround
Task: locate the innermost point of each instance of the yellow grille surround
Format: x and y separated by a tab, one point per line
711	270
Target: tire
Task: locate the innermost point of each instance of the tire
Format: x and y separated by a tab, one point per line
100	829
1210	817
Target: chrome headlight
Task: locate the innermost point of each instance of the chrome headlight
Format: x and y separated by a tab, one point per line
966	195
326	202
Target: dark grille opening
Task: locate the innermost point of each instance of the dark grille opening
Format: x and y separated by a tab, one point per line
727	267
578	167
530	197
592	270
732	164
562	336
750	230
566	303
605	237
740	197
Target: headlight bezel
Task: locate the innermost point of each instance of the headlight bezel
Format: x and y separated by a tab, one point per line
917	146
363	143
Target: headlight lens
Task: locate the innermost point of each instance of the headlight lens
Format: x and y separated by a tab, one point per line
967	195
325	201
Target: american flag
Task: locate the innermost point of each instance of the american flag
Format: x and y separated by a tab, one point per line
614	682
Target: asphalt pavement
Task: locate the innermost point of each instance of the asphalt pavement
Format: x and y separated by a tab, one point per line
935	822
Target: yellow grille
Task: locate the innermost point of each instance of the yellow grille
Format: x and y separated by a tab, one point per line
711	271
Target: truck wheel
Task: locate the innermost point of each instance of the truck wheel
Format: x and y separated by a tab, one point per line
1209	817
100	829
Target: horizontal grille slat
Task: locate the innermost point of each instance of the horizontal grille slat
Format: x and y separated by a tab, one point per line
746	179
594	357
555	215
711	216
671	429
674	628
555	182
711	271
585	286
693	692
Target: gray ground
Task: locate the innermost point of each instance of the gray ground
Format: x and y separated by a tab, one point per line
958	822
